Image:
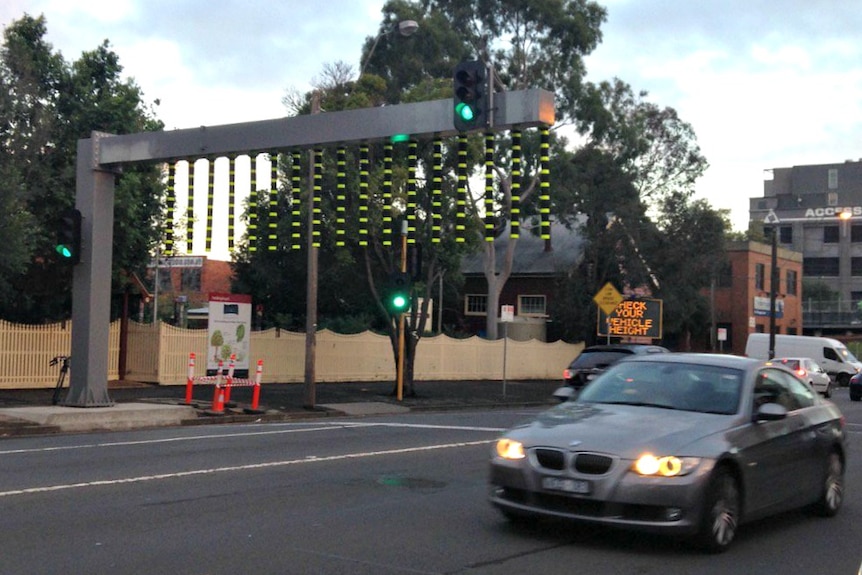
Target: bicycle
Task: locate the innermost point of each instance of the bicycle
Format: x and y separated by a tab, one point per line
64	368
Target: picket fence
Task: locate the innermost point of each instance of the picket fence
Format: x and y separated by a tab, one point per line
159	354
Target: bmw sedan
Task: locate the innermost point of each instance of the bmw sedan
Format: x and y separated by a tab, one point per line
682	444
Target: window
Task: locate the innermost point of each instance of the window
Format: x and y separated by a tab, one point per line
820	267
774	386
759	274
830	234
531	305
785	234
166	283
833	178
476	304
856	233
832	199
190	279
725	276
856	267
791	282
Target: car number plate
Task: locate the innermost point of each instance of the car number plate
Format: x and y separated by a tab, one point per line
578	486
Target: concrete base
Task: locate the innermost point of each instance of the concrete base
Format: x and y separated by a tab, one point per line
117	417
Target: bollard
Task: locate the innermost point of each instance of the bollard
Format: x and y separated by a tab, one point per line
255	397
190	380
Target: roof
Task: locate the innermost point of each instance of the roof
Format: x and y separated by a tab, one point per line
531	259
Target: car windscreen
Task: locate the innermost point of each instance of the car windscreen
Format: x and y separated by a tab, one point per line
671	385
790	363
846	355
597	358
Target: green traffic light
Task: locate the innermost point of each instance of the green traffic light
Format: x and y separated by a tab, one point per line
64	251
399	302
465	112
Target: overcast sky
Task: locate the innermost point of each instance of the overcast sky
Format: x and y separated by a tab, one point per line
764	83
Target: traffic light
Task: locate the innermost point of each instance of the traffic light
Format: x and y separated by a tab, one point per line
398	296
68	244
470	82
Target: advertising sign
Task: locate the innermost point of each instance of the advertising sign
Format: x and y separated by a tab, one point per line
761	306
632	318
229	332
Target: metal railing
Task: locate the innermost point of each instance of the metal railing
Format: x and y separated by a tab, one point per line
831	313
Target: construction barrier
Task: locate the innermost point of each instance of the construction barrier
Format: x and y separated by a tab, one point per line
223	385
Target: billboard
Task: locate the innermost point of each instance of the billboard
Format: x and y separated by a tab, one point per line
639	317
229	332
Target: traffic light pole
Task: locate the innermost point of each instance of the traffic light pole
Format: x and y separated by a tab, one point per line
401	322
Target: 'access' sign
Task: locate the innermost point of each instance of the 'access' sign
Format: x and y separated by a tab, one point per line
632	318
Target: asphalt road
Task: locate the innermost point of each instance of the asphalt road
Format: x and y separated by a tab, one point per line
388	495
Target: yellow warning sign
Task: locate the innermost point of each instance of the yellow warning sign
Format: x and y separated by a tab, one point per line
608	298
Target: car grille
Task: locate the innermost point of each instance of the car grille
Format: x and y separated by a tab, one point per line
586	463
592	463
551	458
583	507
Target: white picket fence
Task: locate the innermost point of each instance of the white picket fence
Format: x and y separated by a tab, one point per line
159	354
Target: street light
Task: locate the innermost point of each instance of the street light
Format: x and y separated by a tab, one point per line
772	220
405	28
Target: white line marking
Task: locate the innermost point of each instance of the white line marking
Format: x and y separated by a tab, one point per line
312	459
320	427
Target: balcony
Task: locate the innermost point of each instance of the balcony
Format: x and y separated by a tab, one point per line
831	314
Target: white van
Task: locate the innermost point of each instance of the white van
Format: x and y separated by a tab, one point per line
832	355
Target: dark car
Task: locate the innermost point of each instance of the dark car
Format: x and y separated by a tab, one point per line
595	359
691	445
856	387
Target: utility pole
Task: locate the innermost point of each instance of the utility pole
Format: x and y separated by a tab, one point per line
310	395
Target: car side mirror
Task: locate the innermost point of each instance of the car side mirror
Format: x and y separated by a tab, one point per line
771	412
565	393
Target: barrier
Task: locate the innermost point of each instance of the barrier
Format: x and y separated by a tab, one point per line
223	385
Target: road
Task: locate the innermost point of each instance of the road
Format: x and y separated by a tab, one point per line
394	495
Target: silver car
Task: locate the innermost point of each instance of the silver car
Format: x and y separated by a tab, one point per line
810	371
686	444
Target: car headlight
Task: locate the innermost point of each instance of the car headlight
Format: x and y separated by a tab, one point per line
510	449
664	466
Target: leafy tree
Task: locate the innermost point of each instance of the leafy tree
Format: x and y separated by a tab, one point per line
46	106
689	253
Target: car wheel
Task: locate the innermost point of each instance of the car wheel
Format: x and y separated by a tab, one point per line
720	516
855	397
832	495
843	380
828	393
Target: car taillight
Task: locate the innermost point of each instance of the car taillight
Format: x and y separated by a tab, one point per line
567	374
800	372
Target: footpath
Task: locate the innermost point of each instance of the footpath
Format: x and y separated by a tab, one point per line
135	406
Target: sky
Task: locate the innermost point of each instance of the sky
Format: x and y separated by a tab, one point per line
764	84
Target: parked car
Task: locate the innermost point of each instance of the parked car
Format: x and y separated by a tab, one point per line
596	358
680	444
809	371
856	387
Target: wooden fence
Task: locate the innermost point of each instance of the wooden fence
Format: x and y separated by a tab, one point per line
159	354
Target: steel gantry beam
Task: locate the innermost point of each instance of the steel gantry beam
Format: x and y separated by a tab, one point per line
101	155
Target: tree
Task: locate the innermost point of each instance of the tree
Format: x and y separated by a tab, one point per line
653	144
47	105
689	254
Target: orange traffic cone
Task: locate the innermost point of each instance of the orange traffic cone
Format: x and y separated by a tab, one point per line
218	401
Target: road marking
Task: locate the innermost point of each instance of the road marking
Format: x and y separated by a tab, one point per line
167	440
293	429
235	468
